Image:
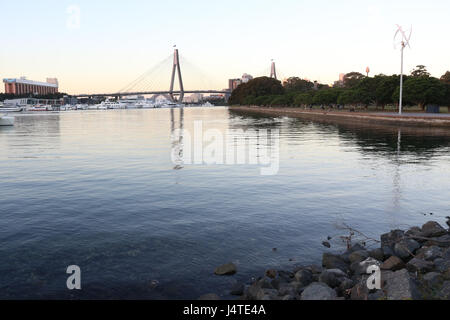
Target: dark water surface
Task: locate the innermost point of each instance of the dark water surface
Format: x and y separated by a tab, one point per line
99	189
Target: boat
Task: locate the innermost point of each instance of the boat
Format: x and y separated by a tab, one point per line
108	104
40	108
6	121
10	109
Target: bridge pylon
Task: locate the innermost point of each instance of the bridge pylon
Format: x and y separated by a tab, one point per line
176	67
273	71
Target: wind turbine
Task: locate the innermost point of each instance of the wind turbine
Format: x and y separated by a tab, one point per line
404	42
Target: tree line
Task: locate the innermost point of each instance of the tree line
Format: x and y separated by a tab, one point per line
8	96
419	89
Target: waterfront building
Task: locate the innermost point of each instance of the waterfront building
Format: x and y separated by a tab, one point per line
234	83
22	86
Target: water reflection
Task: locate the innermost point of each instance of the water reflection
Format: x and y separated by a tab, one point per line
177	137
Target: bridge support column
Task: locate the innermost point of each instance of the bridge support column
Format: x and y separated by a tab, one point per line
176	67
273	71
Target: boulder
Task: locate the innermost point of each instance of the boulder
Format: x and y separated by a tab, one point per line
442	241
267	294
359	268
414	231
444	291
271	273
433	229
442	265
356	247
377	254
405	248
287	289
333	277
432	279
419	265
360	291
391	238
332	261
226	269
429	253
286	275
393	263
399	285
358	256
318	291
304	277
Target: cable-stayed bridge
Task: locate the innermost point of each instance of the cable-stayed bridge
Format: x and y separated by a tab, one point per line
143	84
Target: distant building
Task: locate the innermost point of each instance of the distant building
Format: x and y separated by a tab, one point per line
23	86
340	82
194	98
246	78
234	83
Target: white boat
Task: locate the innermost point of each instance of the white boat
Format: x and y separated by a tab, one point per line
80	107
6	121
40	108
10	109
107	104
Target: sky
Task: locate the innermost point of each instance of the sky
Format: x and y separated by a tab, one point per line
102	46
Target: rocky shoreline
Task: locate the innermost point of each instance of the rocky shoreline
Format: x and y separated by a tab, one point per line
408	265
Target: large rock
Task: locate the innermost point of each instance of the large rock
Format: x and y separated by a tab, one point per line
433	278
377	254
399	285
442	265
442	241
433	229
358	256
391	238
444	291
266	294
333	277
332	261
271	273
393	263
405	248
429	253
318	291
419	265
414	232
359	268
304	277
226	269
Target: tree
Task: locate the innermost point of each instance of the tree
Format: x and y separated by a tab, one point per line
326	96
422	91
297	84
420	71
386	87
348	97
365	91
446	77
304	99
352	79
256	87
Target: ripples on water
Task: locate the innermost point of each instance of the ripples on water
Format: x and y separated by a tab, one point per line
99	190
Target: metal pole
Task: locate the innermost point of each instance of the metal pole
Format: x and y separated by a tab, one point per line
401	83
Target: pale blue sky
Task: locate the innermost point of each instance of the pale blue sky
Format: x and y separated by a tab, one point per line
117	41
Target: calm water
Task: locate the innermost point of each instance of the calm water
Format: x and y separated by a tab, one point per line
99	189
